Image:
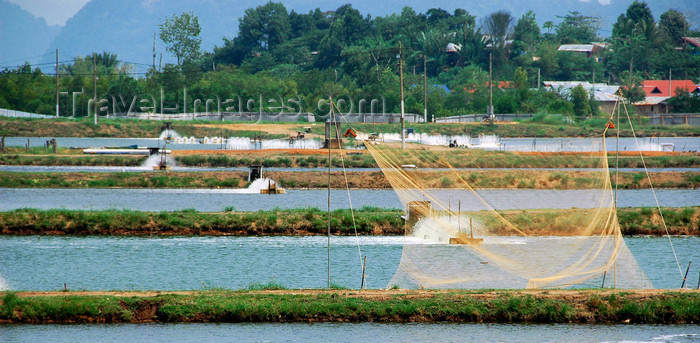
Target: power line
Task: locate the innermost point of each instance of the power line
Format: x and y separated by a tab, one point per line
26	58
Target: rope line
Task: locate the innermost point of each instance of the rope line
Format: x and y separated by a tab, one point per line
653	191
347	184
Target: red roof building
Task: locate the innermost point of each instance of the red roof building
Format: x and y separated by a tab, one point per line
658	91
660	88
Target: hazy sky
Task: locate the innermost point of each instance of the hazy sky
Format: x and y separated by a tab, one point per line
55	12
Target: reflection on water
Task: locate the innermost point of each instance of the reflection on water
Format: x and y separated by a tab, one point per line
349	332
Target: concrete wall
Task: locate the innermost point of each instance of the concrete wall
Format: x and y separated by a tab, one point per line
692	119
470	118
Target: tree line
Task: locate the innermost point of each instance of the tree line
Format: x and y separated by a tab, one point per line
281	54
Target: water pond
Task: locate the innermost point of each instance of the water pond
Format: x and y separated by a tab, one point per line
191	263
349	332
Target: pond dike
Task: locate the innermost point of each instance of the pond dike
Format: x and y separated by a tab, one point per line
505	306
293	222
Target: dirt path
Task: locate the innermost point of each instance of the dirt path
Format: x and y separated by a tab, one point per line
285	129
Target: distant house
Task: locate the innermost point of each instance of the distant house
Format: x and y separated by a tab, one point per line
658	91
496	84
452	47
692	41
588	49
433	86
605	95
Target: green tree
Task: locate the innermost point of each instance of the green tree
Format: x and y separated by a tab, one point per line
181	36
347	28
265	27
525	35
497	26
577	28
637	42
520	79
674	24
639	12
684	102
632	87
579	98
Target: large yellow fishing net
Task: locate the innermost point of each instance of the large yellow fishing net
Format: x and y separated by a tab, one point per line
460	236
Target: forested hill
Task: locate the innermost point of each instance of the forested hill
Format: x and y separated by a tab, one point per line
22	35
126	27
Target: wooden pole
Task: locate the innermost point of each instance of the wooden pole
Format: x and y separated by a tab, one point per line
403	125
490	109
459	216
686	274
154	52
471	229
617	154
57	76
364	265
604	273
94	87
425	91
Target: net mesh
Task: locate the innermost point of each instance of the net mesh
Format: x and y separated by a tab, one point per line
460	236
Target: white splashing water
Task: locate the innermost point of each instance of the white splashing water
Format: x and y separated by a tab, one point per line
4	285
421	138
488	142
185	140
256	186
154	160
238	143
295	144
169	133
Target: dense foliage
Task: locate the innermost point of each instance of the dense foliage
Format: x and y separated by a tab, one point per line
284	60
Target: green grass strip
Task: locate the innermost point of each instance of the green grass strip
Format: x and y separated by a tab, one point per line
330	305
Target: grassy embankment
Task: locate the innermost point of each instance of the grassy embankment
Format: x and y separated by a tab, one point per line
109	127
370	221
557	306
120	128
591	128
37	156
458	158
504	179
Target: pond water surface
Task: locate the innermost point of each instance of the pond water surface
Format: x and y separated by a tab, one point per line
350	332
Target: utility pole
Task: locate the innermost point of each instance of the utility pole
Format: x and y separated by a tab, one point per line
94	87
593	91
669	86
403	125
490	109
425	91
154	52
330	139
57	106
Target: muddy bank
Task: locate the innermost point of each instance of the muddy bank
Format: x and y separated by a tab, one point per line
528	306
